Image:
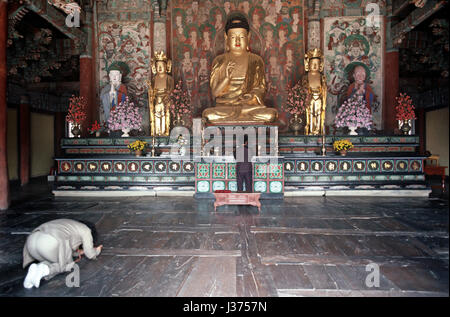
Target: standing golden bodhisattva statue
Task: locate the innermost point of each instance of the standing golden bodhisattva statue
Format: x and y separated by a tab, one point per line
159	90
237	80
316	83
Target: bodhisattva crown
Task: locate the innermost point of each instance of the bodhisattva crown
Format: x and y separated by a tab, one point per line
160	57
314	53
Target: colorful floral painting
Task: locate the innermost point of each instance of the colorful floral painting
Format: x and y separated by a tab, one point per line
276	29
123	35
127	42
353	45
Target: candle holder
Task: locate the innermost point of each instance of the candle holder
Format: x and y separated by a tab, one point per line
323	151
153	146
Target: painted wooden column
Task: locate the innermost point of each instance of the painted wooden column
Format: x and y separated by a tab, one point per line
86	89
4	180
391	79
391	82
24	137
87	75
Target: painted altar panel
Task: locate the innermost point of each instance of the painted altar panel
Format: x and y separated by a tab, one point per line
351	42
123	34
198	36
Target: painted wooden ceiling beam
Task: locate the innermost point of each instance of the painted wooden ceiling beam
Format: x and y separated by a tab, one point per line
399	5
56	18
414	19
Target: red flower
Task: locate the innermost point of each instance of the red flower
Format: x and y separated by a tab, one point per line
95	127
76	113
404	108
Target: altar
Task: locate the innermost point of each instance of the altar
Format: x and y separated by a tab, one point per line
384	165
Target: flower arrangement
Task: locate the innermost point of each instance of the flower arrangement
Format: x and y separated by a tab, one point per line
77	110
354	113
137	145
181	102
296	100
342	145
125	116
404	108
95	127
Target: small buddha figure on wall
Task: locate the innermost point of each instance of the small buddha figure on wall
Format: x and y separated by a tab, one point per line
159	90
316	84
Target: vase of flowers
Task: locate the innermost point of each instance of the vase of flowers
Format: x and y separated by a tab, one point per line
126	117
76	114
354	114
76	131
181	105
138	147
405	112
296	105
342	146
95	128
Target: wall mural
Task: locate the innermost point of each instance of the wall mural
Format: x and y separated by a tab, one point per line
348	43
124	37
276	35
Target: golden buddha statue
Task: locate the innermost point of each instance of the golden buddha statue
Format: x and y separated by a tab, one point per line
316	84
237	80
159	90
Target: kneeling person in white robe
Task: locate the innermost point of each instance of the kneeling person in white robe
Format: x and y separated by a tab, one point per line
54	244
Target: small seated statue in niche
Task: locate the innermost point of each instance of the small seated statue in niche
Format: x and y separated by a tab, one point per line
316	84
238	80
159	90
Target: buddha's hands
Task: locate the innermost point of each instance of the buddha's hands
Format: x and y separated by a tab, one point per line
229	70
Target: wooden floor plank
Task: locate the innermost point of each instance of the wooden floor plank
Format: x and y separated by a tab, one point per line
211	277
319	277
290	276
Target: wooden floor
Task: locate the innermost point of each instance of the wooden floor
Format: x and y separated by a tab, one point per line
312	246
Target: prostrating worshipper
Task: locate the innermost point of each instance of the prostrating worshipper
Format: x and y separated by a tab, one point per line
244	167
237	80
54	244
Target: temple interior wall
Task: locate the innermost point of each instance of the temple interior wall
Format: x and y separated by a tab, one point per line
12	145
280	31
42	144
437	134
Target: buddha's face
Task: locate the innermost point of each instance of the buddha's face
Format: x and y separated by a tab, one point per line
314	65
160	67
237	40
